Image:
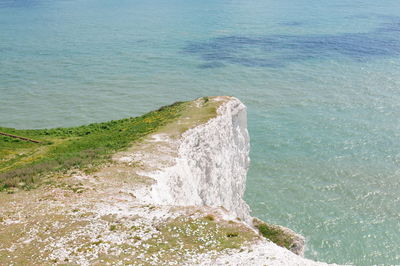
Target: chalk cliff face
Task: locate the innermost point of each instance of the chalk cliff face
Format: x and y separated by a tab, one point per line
211	165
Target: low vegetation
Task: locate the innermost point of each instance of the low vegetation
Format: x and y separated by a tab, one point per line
83	147
195	236
274	234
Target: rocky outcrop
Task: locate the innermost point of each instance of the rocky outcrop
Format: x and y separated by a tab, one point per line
209	169
211	166
283	236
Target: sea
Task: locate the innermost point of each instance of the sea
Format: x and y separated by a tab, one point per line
321	80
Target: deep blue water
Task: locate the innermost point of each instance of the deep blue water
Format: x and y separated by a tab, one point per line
321	80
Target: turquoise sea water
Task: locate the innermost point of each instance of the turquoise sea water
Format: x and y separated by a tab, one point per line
321	80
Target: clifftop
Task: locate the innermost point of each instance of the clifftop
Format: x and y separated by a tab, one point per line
173	196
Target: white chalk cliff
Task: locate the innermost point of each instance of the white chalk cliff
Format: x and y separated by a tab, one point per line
211	165
209	168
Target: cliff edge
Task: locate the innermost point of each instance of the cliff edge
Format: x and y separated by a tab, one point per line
173	198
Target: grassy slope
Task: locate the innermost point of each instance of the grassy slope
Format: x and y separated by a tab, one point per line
77	147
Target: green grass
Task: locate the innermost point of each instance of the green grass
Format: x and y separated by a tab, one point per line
83	147
275	234
197	235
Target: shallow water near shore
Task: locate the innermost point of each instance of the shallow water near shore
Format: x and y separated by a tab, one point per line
321	80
